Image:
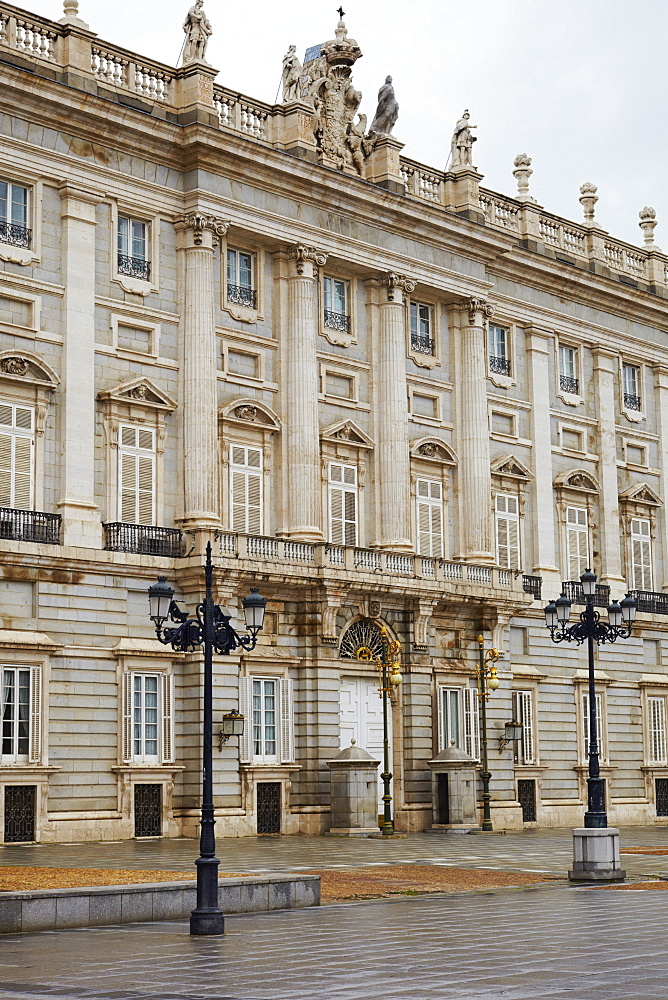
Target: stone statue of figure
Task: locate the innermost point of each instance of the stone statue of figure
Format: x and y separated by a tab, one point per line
292	74
462	143
198	31
387	111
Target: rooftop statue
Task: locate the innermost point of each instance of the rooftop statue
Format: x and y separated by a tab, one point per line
462	143
198	31
292	74
387	111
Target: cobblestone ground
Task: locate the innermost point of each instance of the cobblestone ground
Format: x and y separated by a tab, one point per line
518	944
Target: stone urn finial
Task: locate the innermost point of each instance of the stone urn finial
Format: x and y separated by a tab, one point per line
648	223
588	199
71	12
522	173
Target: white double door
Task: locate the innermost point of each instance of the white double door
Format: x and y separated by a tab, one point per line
361	711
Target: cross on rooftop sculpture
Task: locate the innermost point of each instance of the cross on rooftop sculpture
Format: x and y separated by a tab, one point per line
341	12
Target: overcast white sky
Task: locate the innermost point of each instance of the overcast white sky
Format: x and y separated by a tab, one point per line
579	85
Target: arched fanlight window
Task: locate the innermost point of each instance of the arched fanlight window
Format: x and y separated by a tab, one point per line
362	641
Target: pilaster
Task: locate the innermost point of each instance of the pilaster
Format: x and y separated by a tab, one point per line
606	371
661	388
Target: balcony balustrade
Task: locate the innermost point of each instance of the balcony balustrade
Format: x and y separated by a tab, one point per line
421	344
144	539
532	585
15	235
574	592
134	267
242	295
500	366
337	321
631	401
30	526
651	602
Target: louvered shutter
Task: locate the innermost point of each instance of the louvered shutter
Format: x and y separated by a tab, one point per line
599	725
441	735
525	709
246	490
657	730
577	541
167	719
136	458
245	709
127	686
429	496
17	456
6	468
35	714
641	553
471	723
507	530
145	490
343	504
287	720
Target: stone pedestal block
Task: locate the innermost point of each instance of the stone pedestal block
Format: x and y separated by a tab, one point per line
454	795
596	856
383	164
354	793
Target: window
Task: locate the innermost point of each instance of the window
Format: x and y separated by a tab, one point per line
136	457
342	504
148	723
577	541
17	449
15	713
240	290
246	489
507	516
499	357
133	248
14	215
631	382
267	704
656	715
568	381
641	554
459	720
337	314
421	339
599	725
523	713
429	517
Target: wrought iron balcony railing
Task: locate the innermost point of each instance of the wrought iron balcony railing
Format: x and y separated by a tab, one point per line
242	295
30	525
422	344
134	267
17	235
574	592
337	321
533	585
651	602
569	384
500	366
631	402
145	539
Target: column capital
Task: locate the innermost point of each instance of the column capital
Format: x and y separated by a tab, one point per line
476	304
301	255
396	284
200	223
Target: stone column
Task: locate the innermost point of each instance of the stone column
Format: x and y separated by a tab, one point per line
302	451
197	235
393	462
538	348
661	387
78	507
475	480
606	373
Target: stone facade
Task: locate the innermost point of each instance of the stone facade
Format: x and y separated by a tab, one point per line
395	397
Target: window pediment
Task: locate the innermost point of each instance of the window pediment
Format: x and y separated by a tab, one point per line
27	368
578	480
434	450
508	465
346	432
251	411
139	392
640	493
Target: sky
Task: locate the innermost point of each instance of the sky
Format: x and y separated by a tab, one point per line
579	85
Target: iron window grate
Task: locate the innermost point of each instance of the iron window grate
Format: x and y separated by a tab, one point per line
500	366
134	267
148	810
242	295
20	813
337	321
421	344
569	384
15	235
631	402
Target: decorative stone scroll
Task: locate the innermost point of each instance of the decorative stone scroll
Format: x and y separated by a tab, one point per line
301	254
478	305
245	411
199	222
396	283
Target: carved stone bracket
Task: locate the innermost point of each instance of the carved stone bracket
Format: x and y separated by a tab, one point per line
396	283
301	254
199	222
478	305
421	618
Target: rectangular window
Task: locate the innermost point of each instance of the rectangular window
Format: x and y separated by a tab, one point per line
458	720
656	712
422	340
267	704
641	554
342	504
15	714
246	489
337	312
17	455
133	248
499	343
14	215
577	541
523	713
507	516
265	719
240	285
429	500
631	383
599	725
136	478
568	380
145	717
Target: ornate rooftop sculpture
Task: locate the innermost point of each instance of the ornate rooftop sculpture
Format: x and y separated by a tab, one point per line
648	224
292	75
522	173
461	146
588	199
387	111
198	31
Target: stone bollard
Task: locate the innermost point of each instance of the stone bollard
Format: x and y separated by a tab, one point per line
454	791
354	793
596	855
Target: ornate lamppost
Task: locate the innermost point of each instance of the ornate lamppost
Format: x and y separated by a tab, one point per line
590	629
487	679
211	629
390	678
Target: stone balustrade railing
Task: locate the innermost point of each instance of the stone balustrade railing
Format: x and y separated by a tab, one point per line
358	560
243	115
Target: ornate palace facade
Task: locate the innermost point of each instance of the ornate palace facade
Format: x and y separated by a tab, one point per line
384	393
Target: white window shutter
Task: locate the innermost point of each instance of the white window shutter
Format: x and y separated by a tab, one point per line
246	490
526	718
657	730
287	721
126	708
441	719
23	465
577	541
246	709
35	714
471	723
599	725
507	531
429	518
167	719
17	456
5	469
641	554
136	475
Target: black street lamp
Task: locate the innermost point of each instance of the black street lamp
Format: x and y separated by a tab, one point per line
487	679
211	629
390	678
591	629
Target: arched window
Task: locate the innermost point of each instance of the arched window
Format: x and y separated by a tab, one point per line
362	641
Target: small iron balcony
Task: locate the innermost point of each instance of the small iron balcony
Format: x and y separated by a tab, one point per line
30	526
569	384
532	585
631	402
421	344
500	366
574	592
651	602
337	321
242	295
17	236
145	539
134	267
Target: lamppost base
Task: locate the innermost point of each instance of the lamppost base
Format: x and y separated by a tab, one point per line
207	922
596	855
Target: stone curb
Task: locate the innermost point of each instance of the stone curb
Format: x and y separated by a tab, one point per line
95	906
